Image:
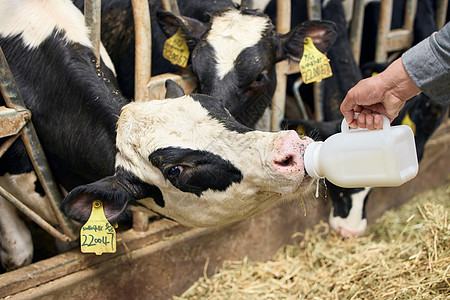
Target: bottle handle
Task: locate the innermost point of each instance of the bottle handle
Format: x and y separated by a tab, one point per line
346	129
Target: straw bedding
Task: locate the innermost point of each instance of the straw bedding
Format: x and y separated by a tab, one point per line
404	255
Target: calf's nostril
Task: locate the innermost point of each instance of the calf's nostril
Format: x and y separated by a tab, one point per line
285	162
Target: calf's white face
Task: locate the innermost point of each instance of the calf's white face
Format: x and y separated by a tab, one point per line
187	159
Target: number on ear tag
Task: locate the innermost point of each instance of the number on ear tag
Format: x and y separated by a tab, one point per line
98	235
314	65
176	50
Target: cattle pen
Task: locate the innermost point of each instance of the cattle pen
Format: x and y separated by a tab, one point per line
158	258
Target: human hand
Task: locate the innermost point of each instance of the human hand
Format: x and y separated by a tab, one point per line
385	94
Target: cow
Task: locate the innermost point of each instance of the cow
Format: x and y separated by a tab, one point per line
184	157
233	52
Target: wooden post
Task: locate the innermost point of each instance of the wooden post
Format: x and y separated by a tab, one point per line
92	18
143	46
279	98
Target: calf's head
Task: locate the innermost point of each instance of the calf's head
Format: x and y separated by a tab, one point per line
234	55
189	160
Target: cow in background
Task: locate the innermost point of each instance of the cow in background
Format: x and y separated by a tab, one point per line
233	52
185	158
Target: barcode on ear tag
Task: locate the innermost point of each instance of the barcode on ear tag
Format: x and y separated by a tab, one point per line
97	235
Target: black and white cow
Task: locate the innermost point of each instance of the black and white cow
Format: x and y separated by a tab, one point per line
233	52
185	157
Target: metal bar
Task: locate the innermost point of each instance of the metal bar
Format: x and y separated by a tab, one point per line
315	13
356	29
441	13
7	143
384	26
141	13
142	75
42	169
299	100
247	4
12	121
314	9
171	5
410	14
279	98
13	99
33	216
92	18
399	39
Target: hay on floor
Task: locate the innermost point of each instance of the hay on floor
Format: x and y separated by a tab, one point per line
404	255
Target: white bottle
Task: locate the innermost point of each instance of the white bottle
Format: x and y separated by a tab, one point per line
364	158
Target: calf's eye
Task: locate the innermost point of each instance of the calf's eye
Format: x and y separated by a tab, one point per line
175	171
261	77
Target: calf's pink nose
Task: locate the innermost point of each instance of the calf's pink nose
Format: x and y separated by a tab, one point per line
289	152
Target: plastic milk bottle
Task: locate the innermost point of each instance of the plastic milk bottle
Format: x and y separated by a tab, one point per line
364	158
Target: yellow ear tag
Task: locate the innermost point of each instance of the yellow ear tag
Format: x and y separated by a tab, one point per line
176	50
407	121
314	65
301	130
98	235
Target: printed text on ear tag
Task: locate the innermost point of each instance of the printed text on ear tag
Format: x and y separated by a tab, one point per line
314	65
176	50
98	235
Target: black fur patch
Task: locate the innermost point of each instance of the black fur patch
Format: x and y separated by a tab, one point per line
217	111
202	170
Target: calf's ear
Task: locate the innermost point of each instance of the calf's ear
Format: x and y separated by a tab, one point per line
193	29
77	204
323	34
173	90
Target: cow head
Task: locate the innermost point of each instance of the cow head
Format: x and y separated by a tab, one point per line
189	160
234	55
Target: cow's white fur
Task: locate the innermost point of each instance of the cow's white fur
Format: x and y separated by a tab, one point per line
16	245
22	187
144	127
35	20
231	33
354	225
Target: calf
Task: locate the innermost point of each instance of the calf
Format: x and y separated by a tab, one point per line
233	52
185	158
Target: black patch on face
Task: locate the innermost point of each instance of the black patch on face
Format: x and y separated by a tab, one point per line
342	200
217	111
138	188
200	170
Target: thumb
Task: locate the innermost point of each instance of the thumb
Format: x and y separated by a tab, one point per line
348	109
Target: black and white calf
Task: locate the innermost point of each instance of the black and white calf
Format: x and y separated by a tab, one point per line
185	157
233	52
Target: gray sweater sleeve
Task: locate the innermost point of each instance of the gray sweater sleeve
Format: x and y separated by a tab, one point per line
428	64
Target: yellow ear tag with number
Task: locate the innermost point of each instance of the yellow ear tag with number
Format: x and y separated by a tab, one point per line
98	235
314	65
176	50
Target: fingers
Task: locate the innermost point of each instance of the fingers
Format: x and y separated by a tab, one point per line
367	120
